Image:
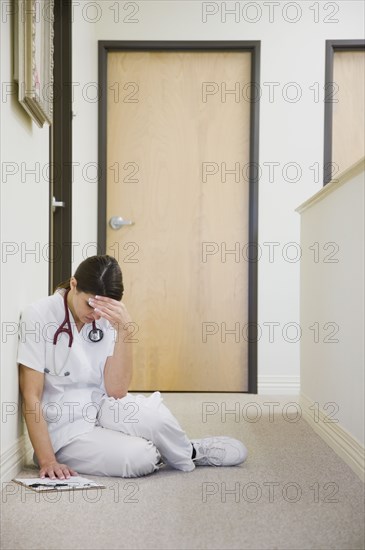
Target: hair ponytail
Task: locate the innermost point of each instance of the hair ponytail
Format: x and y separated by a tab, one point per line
64	284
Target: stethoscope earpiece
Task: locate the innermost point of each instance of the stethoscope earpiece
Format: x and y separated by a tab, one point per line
47	371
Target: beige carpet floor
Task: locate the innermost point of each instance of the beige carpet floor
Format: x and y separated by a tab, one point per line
293	492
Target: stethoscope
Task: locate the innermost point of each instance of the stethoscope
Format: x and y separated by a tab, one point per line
95	335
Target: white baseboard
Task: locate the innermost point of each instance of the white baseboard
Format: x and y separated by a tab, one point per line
342	442
13	459
276	384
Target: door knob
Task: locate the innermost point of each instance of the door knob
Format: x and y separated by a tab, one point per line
116	222
57	204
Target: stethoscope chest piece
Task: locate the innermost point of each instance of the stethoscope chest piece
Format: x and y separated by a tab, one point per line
95	335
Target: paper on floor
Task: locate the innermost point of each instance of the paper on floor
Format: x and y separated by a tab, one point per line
70	484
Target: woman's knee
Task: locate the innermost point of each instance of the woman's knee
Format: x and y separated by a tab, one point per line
135	457
133	416
142	458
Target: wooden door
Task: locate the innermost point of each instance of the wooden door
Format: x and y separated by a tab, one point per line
178	128
348	137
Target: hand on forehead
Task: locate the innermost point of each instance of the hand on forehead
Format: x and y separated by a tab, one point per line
101	299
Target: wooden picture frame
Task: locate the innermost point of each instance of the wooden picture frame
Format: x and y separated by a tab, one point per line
33	55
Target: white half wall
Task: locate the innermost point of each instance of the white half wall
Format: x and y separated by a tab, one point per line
332	305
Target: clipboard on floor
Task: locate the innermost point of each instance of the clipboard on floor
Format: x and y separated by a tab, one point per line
46	484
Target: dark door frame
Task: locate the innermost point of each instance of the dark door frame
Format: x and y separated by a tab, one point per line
333	46
61	146
106	46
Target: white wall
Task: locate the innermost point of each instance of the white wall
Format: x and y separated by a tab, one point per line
24	228
332	303
290	132
332	290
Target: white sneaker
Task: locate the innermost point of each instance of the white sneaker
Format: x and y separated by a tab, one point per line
219	451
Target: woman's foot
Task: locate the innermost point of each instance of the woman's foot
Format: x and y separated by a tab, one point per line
218	451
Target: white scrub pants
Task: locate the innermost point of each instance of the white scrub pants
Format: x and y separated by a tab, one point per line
130	438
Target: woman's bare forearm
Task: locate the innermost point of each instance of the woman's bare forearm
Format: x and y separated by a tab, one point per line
38	430
118	368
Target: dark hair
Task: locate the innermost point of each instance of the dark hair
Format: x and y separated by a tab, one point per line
99	275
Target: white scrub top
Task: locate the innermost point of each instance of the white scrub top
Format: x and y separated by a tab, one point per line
69	403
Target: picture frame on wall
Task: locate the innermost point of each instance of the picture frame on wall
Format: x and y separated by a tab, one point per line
33	58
